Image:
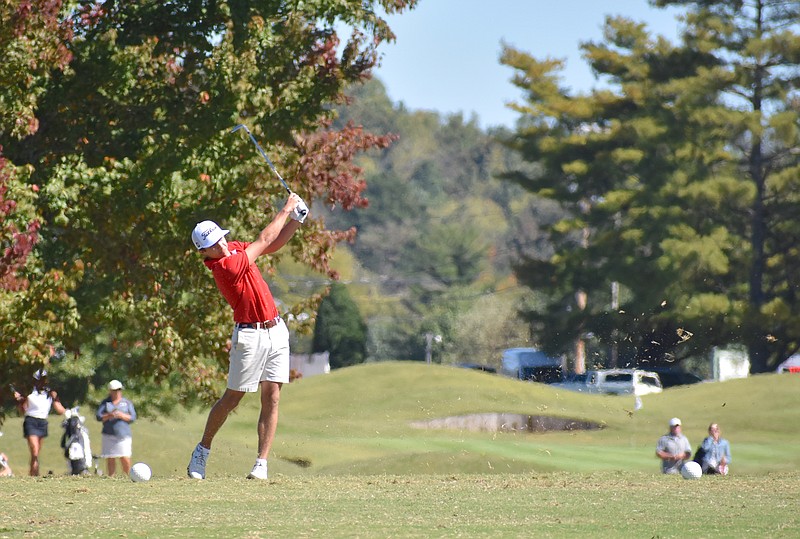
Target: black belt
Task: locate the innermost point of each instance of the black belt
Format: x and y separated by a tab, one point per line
258	325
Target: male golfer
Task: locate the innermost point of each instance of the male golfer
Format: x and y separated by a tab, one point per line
259	355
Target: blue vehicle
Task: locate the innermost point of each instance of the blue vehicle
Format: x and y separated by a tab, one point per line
532	364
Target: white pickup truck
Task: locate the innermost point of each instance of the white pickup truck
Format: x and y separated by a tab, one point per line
614	382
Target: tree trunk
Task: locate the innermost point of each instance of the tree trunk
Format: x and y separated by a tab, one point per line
757	345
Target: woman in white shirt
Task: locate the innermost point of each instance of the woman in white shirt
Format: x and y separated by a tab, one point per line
36	407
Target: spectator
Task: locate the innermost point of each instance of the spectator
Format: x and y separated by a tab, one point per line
5	467
36	407
116	413
673	448
715	451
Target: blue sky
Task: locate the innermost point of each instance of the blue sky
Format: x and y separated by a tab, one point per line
446	57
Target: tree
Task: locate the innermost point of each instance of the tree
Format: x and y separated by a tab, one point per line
436	233
657	176
133	147
35	307
34	42
756	48
480	333
340	329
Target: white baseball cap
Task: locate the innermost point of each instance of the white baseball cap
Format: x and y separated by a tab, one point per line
674	422
206	234
114	384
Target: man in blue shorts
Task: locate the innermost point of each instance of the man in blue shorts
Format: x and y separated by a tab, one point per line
259	356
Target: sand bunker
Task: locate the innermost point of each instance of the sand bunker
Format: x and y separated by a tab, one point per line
505	422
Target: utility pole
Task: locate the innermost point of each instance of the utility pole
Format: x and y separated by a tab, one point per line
614	333
580	344
581	299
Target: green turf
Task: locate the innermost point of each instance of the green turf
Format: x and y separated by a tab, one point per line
357	421
347	463
560	504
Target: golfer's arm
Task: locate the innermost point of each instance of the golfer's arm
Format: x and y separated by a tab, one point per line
287	232
267	236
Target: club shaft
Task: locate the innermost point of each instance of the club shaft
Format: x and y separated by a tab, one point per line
264	155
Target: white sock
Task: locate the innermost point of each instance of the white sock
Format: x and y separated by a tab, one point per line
205	451
261	462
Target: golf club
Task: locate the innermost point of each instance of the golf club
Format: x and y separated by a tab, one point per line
263	154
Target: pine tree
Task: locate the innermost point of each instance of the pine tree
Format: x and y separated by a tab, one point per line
674	179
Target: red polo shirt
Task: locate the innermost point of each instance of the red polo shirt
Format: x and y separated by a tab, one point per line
242	285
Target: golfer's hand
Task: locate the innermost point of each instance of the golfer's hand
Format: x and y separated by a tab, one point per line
300	212
292	202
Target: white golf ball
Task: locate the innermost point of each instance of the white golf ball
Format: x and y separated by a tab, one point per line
691	470
140	472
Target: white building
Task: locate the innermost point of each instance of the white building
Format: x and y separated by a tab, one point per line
729	363
310	364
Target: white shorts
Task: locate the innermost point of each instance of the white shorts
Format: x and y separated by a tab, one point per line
115	447
258	355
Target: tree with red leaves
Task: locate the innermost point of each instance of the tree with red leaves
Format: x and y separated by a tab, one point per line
130	142
16	245
35	308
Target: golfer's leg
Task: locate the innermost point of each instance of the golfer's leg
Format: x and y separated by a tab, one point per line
34	444
126	464
219	413
268	420
111	464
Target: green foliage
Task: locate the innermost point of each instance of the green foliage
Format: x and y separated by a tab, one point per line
671	181
437	221
489	325
36	309
34	42
340	329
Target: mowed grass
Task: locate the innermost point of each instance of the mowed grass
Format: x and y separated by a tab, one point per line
560	504
347	463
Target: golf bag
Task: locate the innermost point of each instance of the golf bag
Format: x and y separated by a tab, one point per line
75	442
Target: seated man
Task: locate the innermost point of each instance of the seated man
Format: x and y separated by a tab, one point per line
673	448
716	452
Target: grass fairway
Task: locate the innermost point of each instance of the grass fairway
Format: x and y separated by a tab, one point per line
347	463
559	504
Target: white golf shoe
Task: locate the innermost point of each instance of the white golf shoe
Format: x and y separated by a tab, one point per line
259	471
